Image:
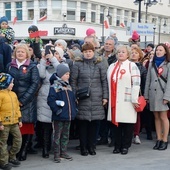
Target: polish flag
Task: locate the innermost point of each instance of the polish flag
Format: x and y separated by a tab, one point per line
14	20
106	23
122	25
43	18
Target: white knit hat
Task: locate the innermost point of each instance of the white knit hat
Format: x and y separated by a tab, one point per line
62	42
112	32
60	51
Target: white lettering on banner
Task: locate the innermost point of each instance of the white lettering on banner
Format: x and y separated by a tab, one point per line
144	29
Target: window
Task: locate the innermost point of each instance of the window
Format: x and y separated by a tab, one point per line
8	10
19	10
71	10
43	8
126	17
133	17
118	17
93	13
56	9
30	7
110	15
83	11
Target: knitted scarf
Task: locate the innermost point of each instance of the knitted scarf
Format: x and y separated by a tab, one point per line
158	60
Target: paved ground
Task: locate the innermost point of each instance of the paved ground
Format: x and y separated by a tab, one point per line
140	157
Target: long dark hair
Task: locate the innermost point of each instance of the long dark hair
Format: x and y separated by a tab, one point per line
167	55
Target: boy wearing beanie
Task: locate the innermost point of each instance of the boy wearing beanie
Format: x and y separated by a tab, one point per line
10	122
6	32
62	102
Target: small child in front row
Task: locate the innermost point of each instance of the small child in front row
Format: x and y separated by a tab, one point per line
61	114
10	122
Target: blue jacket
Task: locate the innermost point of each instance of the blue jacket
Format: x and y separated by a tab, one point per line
61	90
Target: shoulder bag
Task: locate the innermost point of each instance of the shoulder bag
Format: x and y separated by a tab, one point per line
84	93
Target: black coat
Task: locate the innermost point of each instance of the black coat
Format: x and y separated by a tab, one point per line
26	83
5	55
86	72
143	73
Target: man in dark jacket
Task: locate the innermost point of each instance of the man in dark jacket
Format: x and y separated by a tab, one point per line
5	55
106	128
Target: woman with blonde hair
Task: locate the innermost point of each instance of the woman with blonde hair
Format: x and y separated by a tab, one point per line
124	84
26	82
136	57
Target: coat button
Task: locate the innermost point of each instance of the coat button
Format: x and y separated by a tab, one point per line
155	89
155	80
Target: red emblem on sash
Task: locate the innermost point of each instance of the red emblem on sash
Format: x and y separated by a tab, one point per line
160	71
123	71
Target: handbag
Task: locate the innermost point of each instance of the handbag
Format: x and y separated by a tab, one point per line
142	104
83	93
163	78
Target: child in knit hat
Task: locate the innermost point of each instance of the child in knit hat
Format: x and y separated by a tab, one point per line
6	32
10	122
135	39
90	32
62	102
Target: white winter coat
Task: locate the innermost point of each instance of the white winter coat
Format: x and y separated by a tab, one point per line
127	92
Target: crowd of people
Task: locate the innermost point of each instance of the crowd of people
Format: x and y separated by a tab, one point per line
88	91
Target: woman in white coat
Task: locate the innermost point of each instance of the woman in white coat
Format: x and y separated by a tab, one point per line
124	84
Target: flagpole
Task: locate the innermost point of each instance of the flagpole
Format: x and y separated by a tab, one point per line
103	24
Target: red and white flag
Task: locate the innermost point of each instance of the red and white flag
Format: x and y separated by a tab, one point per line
14	20
106	23
43	18
122	25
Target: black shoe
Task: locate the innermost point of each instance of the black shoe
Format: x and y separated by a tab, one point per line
157	145
116	151
45	153
91	151
84	152
163	146
14	162
31	151
102	142
124	151
6	167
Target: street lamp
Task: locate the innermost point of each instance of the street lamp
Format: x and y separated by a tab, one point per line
159	35
108	16
138	2
148	3
154	28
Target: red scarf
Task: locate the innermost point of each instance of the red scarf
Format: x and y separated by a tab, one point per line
113	85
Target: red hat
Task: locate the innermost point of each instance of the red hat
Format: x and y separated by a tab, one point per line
135	36
90	31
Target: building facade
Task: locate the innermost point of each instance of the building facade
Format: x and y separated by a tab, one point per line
69	19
